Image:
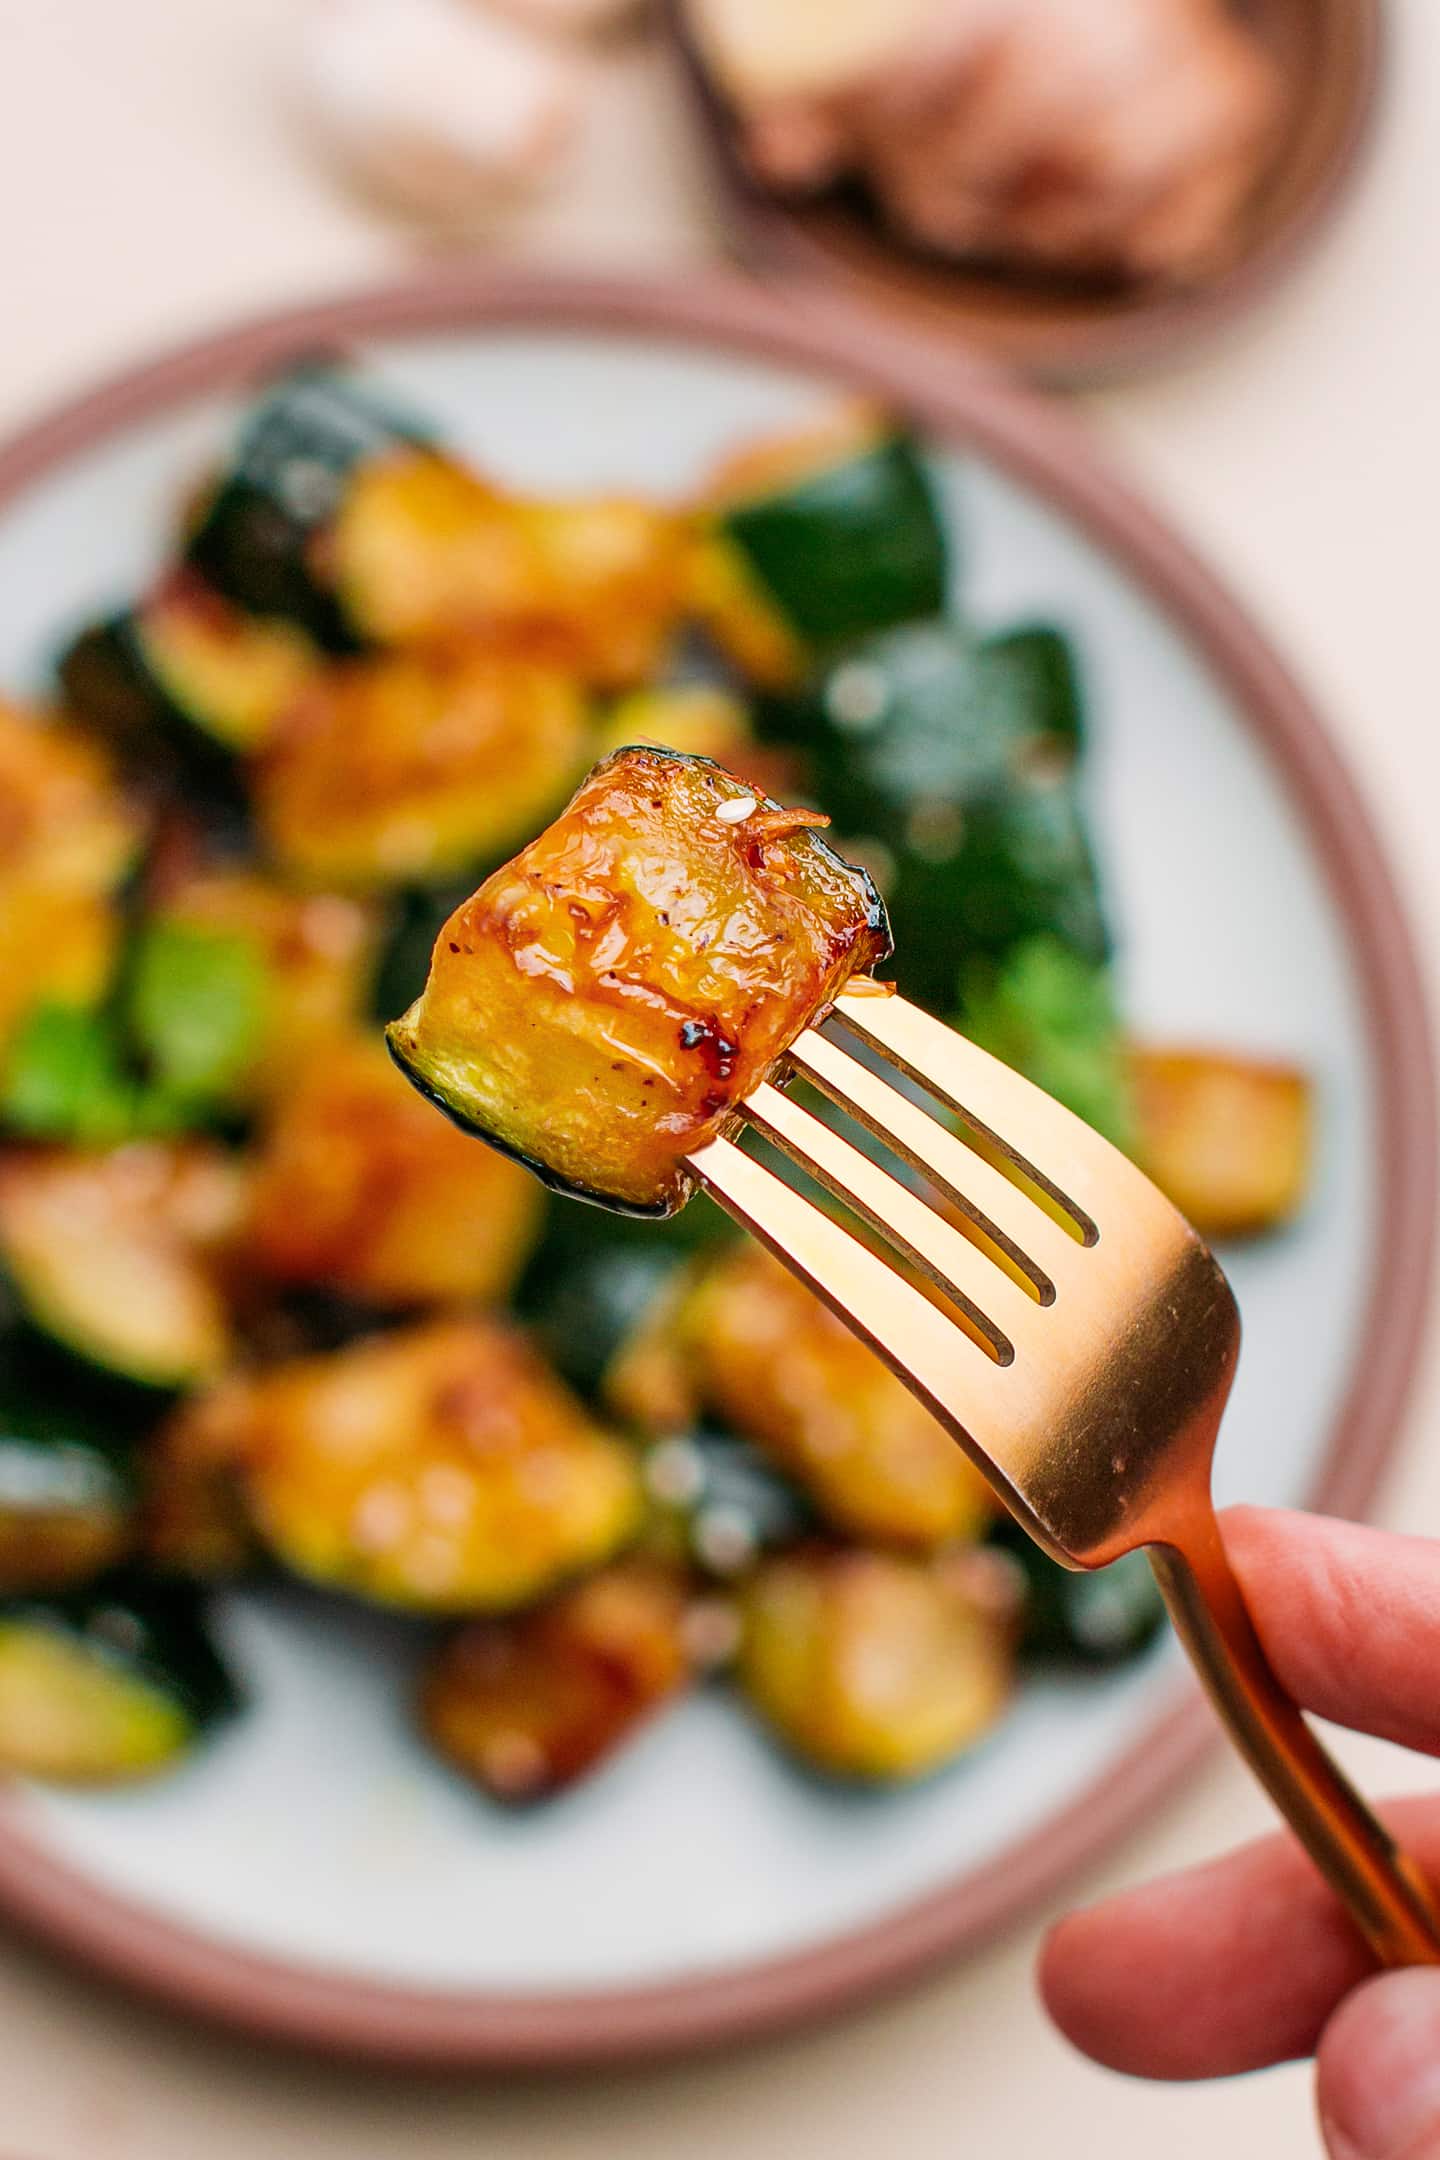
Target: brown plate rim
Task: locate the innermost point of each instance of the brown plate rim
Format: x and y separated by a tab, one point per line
969	403
774	239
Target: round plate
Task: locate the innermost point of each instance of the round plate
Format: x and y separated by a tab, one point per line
1329	54
315	1875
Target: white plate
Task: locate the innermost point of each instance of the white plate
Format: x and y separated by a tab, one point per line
316	1835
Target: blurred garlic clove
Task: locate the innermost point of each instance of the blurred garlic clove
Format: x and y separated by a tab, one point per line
573	18
436	107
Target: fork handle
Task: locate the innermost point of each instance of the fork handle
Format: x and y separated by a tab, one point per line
1382	1888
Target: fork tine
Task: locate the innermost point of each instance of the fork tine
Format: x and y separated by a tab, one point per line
963	1270
917	1340
1003	1215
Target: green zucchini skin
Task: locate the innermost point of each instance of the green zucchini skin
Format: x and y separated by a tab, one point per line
155	1632
948	762
1084	1619
726	1504
255	540
108	686
854	547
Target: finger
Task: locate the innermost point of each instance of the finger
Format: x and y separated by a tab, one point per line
1349	1618
1220	1969
1379	2071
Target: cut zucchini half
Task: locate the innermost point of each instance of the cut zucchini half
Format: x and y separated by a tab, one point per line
67	1490
259	537
411	769
839	526
107	1684
109	1255
870	1666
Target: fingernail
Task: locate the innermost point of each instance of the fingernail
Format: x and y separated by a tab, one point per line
1379	2085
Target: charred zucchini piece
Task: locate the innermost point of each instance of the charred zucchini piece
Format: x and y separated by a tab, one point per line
718	1503
838	526
409	769
529	1706
869	1665
359	1188
425	552
187	682
439	1468
315	954
1031	681
698	719
1227	1138
756	1351
1085	1617
606	999
67	1489
109	1683
111	1255
960	789
1053	1017
58	951
263	536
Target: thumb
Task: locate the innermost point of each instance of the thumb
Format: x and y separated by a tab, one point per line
1379	2070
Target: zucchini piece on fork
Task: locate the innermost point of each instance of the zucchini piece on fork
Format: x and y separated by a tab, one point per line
605	1001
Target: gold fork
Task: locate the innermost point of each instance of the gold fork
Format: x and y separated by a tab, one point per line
1081	1349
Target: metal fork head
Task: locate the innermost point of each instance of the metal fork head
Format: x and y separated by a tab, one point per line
1072	1331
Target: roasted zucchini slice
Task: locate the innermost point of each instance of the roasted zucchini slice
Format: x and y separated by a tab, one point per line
261	537
109	1683
869	1665
425	552
529	1706
315	953
717	1503
66	827
440	1468
187	681
58	951
1228	1138
605	1000
67	1488
112	1255
757	1352
838	527
358	1187
1086	1617
408	769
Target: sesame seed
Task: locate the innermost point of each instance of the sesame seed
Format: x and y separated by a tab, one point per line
736	810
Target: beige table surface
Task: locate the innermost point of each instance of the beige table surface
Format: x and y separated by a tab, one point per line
150	186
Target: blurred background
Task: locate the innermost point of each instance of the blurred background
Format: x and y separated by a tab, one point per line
165	171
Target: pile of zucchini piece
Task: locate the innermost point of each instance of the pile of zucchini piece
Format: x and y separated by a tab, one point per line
265	1314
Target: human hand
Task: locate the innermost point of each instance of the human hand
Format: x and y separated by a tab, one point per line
1250	1960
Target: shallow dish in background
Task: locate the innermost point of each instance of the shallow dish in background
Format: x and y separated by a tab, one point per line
314	1875
1329	51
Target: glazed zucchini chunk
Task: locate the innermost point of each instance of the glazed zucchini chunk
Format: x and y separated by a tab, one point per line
605	1000
261	536
827	533
1229	1139
869	1665
359	1188
424	551
67	1488
66	825
113	1255
185	676
441	1468
749	1347
528	1706
316	953
109	1683
407	769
